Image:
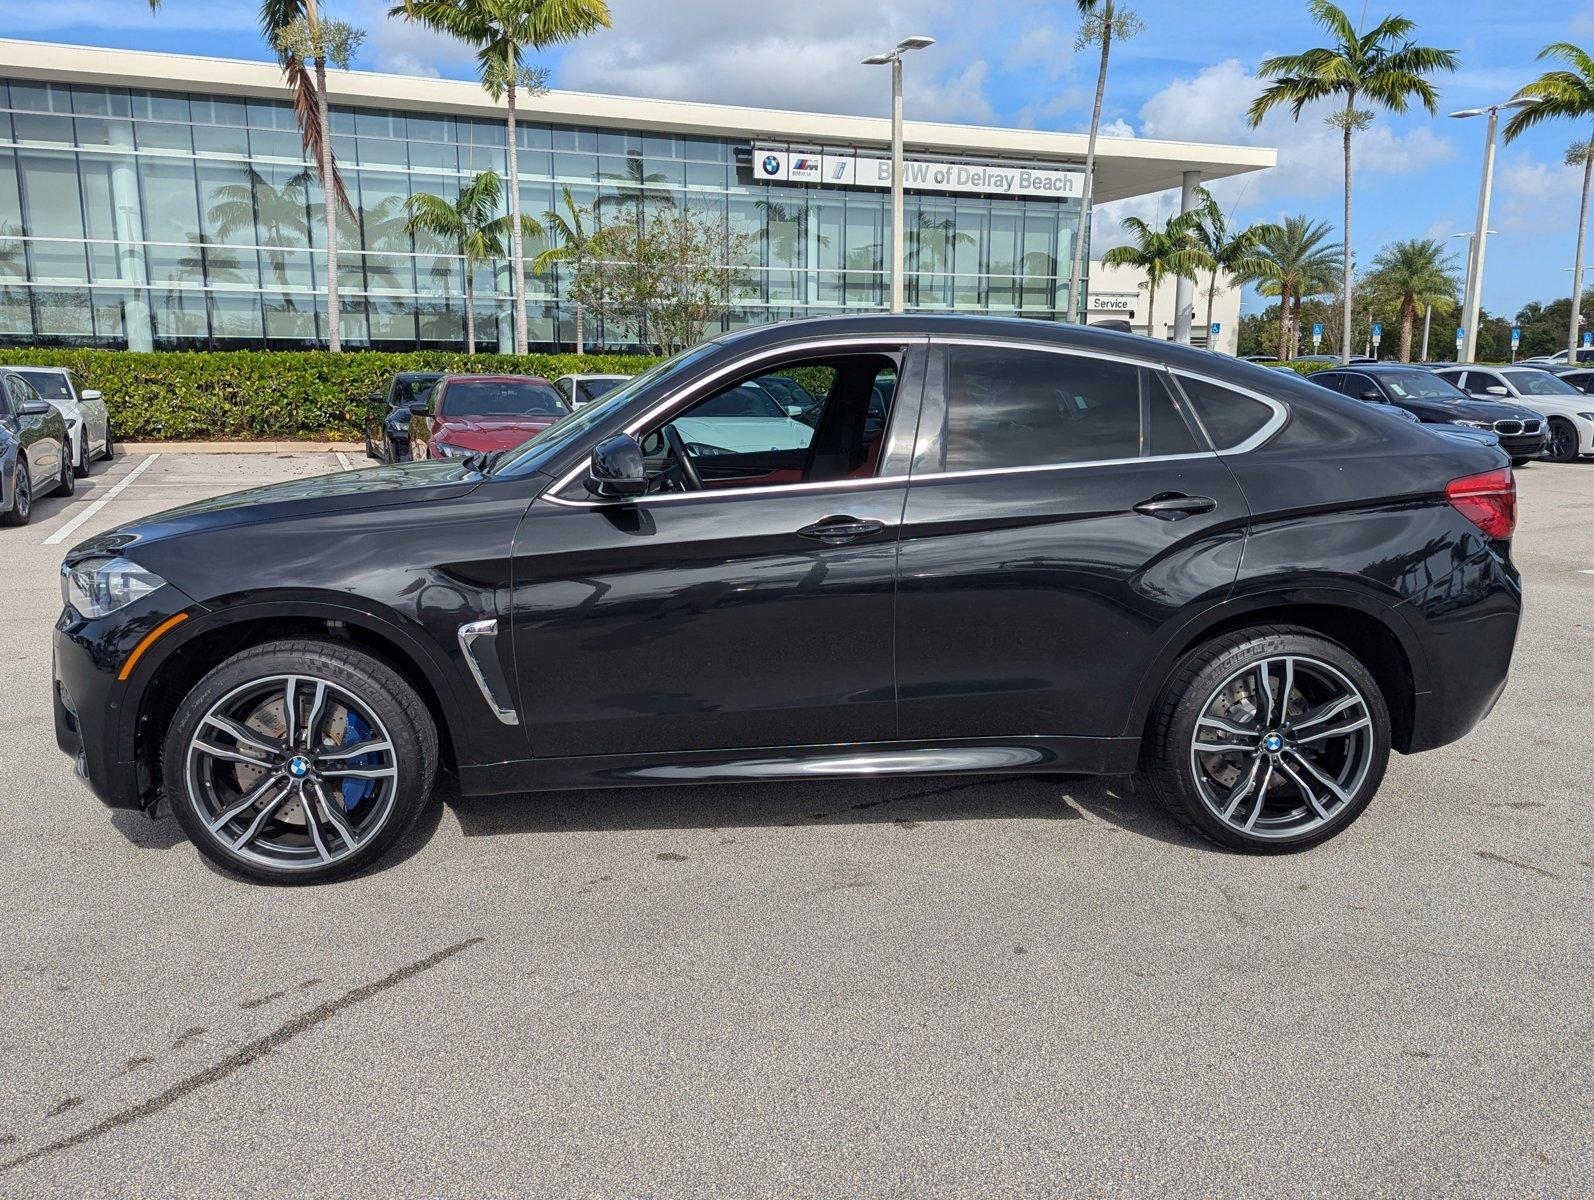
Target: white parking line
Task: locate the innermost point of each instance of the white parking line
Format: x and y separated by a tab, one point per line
344	459
61	534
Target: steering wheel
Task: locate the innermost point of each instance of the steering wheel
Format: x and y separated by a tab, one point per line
683	459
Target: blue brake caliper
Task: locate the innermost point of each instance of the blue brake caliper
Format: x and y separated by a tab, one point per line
355	790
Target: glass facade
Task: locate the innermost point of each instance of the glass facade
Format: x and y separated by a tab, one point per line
151	219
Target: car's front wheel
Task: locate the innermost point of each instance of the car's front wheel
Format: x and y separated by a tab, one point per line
21	510
299	762
1563	440
1268	739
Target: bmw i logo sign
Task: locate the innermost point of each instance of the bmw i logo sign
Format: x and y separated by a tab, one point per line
298	766
771	165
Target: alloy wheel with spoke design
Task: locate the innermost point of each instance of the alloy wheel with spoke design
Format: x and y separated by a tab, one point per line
1282	747
293	772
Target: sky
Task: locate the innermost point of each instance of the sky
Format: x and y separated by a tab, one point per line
1188	77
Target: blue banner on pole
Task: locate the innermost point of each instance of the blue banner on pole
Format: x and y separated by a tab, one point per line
1516	337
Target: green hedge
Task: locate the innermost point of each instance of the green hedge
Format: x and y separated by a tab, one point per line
1305	368
281	394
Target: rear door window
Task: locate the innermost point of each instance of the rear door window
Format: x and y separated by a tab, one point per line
1231	418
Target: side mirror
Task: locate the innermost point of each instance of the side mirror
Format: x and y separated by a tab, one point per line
1374	395
91	394
419	408
1495	389
617	470
794	410
34	408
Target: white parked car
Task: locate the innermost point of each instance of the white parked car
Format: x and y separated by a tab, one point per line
1560	358
744	420
87	423
579	390
1570	413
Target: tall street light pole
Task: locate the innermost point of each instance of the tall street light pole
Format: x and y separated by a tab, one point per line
1474	294
894	57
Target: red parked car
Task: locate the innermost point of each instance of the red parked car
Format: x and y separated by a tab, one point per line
477	414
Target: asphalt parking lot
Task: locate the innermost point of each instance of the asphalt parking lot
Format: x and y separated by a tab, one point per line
955	986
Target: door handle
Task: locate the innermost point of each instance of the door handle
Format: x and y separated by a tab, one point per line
1175	506
838	530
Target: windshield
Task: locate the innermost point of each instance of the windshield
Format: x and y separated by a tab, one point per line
412	391
49	384
1540	383
591	389
1420	385
577	424
500	398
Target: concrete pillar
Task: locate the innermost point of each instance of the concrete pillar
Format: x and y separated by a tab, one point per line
129	216
1184	292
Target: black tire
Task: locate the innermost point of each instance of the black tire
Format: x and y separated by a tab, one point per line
1562	447
110	444
402	715
81	467
21	510
67	483
1168	767
397	452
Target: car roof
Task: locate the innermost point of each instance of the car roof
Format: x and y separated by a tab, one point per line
420	374
495	378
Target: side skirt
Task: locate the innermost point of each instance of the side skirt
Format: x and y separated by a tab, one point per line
969	756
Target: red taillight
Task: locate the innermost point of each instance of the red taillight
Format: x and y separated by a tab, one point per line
1488	500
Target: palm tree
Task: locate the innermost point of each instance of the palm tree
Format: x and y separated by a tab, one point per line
632	188
501	32
305	44
1564	93
1412	275
256	209
1382	66
1169	252
1103	21
1235	252
1301	262
575	242
473	226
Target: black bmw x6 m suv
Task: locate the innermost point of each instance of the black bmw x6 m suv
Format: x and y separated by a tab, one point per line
1064	549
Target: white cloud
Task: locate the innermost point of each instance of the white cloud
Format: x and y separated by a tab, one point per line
406	48
1211	107
1118	128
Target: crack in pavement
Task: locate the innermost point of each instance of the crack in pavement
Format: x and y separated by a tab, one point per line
243	1056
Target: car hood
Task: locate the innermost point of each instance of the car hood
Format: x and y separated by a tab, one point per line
345	491
1469	410
489	433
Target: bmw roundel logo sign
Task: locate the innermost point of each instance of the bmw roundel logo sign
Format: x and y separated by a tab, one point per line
771	165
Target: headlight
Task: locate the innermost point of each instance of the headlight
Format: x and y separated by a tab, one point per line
1474	424
451	451
97	587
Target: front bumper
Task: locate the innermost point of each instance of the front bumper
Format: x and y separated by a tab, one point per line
1525	445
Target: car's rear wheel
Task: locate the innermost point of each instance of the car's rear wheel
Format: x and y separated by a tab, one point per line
299	762
21	510
1563	440
81	467
110	443
67	483
1268	739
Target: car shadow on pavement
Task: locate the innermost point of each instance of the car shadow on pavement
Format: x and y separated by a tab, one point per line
902	801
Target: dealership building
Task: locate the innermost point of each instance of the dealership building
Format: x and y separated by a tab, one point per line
155	201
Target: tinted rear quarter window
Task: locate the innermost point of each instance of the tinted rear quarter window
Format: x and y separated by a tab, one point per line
1229	416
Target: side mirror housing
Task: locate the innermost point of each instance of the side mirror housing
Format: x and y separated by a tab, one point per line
34	408
91	394
419	407
1374	395
1495	389
617	471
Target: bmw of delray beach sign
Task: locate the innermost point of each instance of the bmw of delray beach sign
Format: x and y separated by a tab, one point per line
775	165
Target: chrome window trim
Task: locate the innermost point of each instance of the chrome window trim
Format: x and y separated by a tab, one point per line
697	391
1271	426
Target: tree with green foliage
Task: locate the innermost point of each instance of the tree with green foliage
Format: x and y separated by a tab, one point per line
1170	252
1411	275
574	231
473	228
1236	253
1103	21
1302	262
1569	93
305	43
502	31
1383	66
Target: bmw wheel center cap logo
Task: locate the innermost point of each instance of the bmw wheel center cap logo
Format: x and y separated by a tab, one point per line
298	766
771	165
1273	743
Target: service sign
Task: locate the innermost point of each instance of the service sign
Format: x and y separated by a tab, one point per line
775	165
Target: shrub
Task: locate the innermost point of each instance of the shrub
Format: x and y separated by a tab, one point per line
1306	368
278	394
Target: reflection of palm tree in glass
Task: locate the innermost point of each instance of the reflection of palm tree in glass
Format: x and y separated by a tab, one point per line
11	257
930	246
276	216
634	190
784	232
